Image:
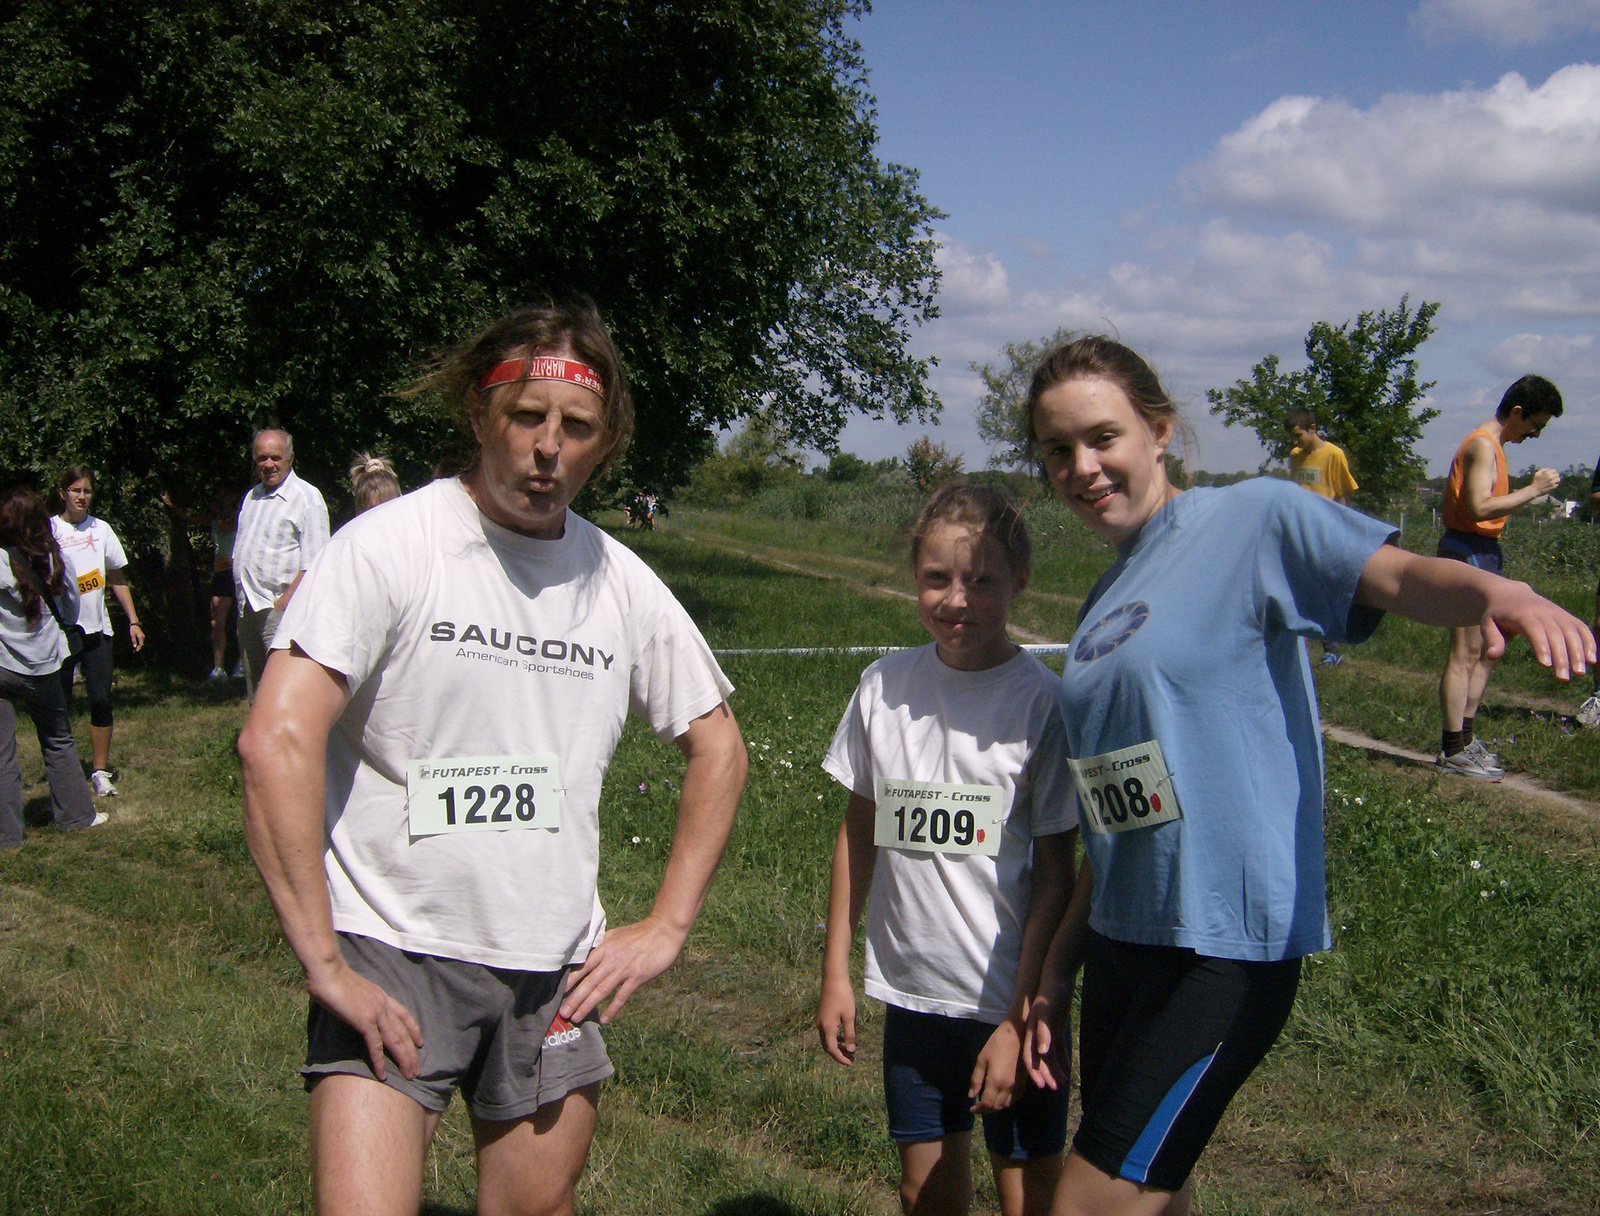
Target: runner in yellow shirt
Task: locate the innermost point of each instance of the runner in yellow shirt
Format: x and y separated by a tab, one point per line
1319	466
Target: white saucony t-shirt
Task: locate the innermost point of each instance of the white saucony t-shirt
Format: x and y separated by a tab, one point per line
944	930
459	638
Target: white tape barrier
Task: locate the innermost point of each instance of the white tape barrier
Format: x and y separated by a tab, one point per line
1032	648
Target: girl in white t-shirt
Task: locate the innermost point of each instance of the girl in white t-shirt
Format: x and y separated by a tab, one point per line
962	823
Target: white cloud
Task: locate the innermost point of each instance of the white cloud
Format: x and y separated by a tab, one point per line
970	280
1504	22
1454	192
1561	357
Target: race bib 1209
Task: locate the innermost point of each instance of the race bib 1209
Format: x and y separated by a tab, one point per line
937	817
483	794
1126	789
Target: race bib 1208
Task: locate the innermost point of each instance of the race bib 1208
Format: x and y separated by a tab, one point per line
483	794
937	817
1126	789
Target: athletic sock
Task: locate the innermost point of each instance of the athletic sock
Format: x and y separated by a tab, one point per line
1455	742
1466	729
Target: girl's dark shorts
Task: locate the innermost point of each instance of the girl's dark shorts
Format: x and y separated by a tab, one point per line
928	1060
1167	1037
495	1035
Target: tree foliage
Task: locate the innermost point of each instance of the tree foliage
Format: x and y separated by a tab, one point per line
931	464
216	213
1002	410
1360	383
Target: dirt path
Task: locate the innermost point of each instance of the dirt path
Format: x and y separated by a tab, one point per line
815	566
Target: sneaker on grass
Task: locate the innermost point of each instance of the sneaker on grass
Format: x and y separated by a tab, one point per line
1589	712
1466	764
100	783
1332	659
1483	755
216	676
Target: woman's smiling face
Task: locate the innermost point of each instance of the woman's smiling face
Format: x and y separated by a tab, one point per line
1102	457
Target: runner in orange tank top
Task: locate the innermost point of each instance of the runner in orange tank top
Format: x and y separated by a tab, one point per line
1477	499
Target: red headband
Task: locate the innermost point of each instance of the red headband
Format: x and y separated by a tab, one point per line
544	367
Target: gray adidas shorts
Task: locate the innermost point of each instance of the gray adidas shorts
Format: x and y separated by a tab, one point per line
495	1035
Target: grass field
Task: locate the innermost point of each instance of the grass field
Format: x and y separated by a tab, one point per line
1440	1059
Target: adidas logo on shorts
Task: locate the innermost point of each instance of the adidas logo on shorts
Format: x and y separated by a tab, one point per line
562	1031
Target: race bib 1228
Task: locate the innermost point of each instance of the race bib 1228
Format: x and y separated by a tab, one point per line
1126	789
482	794
938	817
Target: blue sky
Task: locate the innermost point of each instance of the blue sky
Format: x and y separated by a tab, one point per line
1208	178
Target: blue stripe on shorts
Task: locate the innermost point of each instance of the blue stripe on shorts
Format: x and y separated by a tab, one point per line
1136	1165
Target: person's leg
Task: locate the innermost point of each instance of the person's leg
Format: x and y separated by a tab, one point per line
1459	677
936	1176
367	1147
252	650
1087	1190
529	1167
10	770
220	608
96	662
71	804
1025	1187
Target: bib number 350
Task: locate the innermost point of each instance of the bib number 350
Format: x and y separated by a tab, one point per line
482	794
938	817
1126	789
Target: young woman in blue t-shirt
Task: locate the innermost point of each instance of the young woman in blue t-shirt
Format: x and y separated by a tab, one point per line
1193	735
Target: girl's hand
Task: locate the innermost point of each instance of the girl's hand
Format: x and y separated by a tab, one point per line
836	1020
997	1079
1047	1044
1559	640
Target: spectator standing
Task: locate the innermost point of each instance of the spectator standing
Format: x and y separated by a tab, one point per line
95	561
1317	465
372	481
223	520
33	645
1589	711
1477	500
283	524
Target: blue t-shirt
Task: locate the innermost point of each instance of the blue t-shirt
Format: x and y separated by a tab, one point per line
1193	639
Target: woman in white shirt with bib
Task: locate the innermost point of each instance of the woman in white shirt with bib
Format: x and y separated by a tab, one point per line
95	560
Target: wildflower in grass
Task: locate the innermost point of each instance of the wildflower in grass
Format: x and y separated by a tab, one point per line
1476	864
643	787
635	840
1359	802
1484	894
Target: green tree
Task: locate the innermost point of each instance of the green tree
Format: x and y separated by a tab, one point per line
931	464
1360	384
216	213
1002	410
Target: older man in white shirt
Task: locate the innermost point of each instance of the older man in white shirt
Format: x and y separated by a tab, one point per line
283	524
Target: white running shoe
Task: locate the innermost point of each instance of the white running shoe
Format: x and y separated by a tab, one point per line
1589	712
100	783
1484	756
216	676
99	818
1465	764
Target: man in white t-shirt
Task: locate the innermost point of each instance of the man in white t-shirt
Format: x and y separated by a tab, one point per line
422	779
